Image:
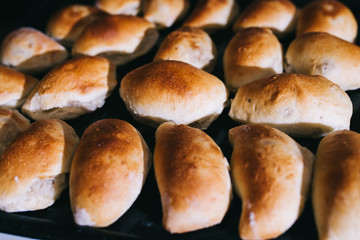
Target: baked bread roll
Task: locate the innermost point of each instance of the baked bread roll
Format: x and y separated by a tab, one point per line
193	178
71	89
107	173
163	13
29	50
11	123
277	15
326	55
33	167
212	15
119	38
327	16
271	173
67	24
251	54
336	186
115	7
299	105
14	87
190	45
173	91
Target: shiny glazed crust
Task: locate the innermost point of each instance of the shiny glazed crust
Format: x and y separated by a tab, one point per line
126	7
277	15
336	186
212	15
253	53
109	168
328	16
11	123
67	24
326	55
164	13
271	173
32	168
31	51
190	45
14	87
119	38
78	86
173	91
299	105
192	176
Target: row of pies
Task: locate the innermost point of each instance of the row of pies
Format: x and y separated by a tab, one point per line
122	38
161	91
281	16
270	171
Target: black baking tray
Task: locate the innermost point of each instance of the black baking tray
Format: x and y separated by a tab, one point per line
143	219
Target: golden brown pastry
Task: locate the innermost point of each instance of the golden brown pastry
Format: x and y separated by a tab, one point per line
190	45
173	91
33	168
253	53
271	173
327	16
107	173
212	15
277	15
336	186
115	7
164	12
119	38
192	176
29	50
14	87
67	24
11	123
78	86
299	105
326	55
